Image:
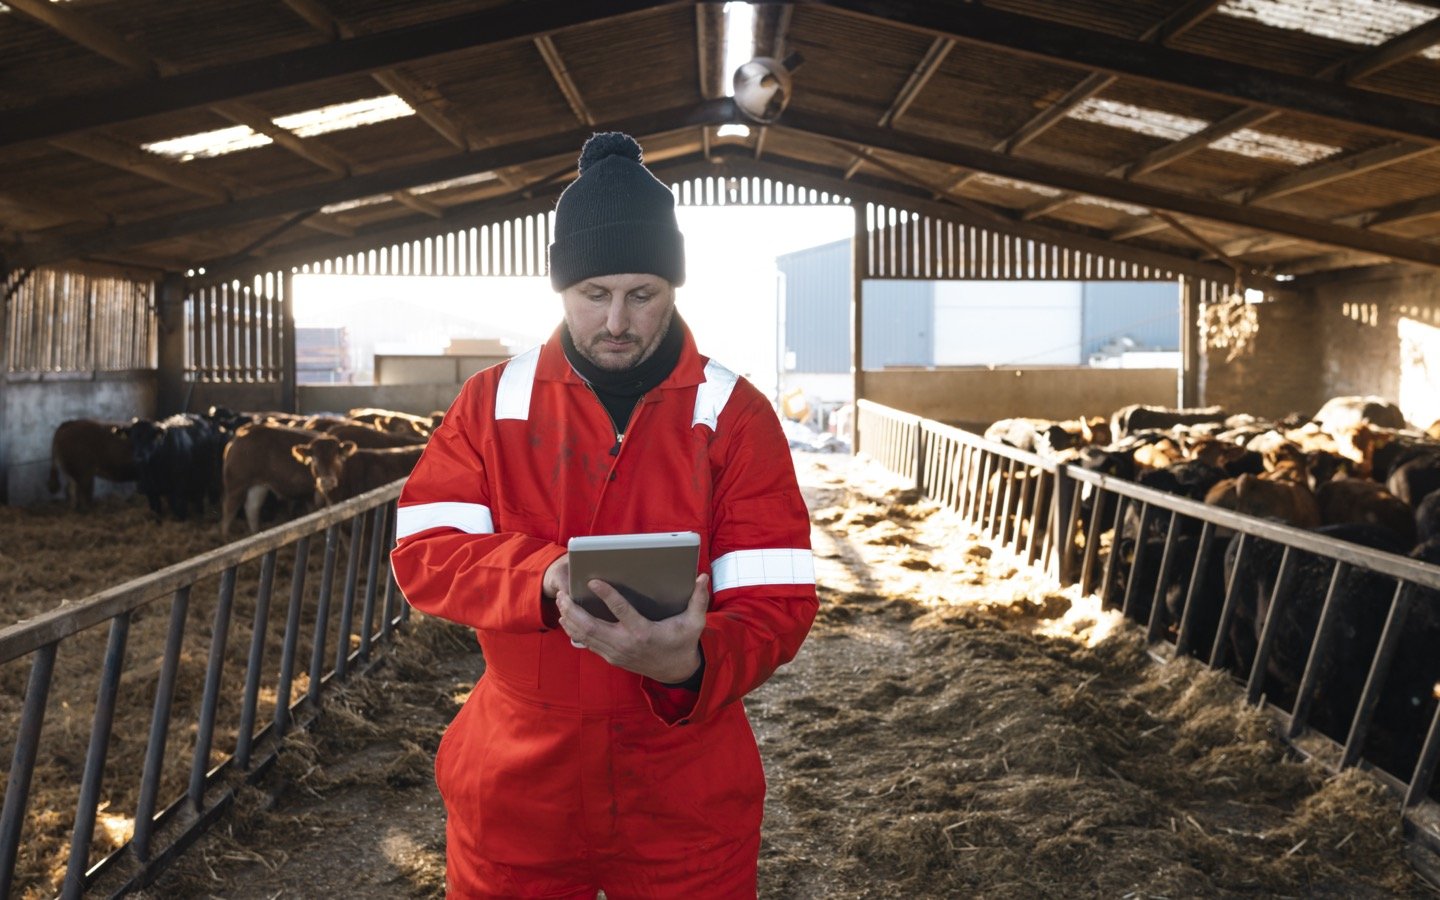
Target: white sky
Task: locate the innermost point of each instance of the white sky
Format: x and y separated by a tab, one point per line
729	297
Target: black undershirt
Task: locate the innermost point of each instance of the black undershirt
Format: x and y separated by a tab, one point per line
620	392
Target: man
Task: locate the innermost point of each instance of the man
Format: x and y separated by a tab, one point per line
598	755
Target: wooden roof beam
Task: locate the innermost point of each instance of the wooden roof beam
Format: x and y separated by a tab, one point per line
88	34
979	214
1205	75
1111	188
111	151
924	70
710	49
1173	25
556	64
248	209
292	68
771	29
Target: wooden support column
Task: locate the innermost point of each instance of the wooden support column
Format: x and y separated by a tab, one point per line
1189	341
172	395
860	266
289	380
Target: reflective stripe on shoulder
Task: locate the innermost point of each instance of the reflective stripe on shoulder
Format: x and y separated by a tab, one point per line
471	518
512	397
712	394
746	568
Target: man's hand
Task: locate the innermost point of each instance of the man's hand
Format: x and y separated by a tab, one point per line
667	651
557	578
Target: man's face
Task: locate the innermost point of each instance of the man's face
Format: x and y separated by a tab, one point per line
617	321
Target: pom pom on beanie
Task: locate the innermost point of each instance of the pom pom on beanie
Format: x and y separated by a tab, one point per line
615	218
609	143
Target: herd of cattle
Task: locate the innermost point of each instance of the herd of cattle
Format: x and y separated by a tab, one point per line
236	459
1356	471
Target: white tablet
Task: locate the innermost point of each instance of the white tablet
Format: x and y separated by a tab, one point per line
656	572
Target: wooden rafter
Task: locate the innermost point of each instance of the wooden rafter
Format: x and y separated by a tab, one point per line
556	64
1111	188
256	208
1204	75
1345	71
350	56
709	49
1173	25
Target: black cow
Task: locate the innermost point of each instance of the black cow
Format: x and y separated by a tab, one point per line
176	458
1427	519
1416	478
1364	602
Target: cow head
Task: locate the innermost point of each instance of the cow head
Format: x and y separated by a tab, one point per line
325	457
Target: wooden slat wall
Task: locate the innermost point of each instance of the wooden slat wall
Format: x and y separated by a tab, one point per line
907	245
235	331
60	321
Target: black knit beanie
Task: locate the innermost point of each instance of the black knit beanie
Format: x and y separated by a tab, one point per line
616	218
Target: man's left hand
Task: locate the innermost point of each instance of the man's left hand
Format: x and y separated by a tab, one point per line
667	651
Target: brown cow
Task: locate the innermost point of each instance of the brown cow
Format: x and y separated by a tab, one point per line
1284	500
390	420
258	462
1361	501
367	438
341	470
83	450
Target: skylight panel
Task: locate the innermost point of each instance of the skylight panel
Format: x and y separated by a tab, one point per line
344	205
309	123
206	144
341	116
1365	22
1003	182
1174	127
1127	208
462	181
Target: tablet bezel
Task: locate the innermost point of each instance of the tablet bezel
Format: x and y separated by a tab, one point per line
654	570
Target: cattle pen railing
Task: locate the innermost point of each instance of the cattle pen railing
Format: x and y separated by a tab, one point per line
230	729
1057	516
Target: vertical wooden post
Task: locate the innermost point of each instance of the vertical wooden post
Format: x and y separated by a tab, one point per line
860	267
171	396
1189	341
289	387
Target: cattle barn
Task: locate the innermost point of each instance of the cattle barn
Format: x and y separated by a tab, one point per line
168	169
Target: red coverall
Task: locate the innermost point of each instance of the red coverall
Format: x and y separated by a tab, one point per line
562	773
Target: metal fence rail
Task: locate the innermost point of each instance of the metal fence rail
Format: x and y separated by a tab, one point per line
360	529
1172	565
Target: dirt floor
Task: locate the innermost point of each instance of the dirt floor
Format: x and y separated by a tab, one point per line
952	728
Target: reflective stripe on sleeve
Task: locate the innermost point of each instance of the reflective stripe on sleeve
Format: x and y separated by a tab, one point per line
746	568
512	397
713	394
471	518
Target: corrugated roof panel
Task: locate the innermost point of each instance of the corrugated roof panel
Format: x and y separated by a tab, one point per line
199	34
656	74
1123	18
990	93
1417	78
1256	44
32	57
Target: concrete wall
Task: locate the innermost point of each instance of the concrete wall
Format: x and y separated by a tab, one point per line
1281	375
420	399
33	409
976	396
415	369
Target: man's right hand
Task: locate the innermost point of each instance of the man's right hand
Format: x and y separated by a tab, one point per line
557	578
